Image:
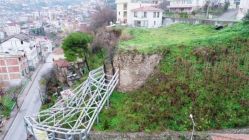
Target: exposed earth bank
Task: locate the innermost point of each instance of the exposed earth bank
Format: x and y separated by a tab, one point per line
134	69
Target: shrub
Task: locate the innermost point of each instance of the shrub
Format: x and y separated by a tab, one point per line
246	19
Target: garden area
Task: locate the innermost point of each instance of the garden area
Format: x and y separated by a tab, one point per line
8	99
204	72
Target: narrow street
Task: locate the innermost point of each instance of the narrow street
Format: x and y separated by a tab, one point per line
31	104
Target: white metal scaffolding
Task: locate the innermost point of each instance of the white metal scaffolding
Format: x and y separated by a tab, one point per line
72	119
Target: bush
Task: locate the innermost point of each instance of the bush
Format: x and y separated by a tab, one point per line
183	15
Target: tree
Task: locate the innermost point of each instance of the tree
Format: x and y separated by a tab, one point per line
102	17
75	47
107	38
164	5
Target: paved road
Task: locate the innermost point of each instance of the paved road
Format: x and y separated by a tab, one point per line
31	105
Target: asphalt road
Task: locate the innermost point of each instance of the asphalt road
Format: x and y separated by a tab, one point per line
30	106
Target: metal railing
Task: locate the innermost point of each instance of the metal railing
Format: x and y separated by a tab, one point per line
73	118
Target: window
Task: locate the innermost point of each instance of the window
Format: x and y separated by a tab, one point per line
154	14
145	14
158	14
135	14
154	23
118	13
125	14
125	6
21	42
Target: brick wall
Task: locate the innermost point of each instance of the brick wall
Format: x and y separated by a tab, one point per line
11	68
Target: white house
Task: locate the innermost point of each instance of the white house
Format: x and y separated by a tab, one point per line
186	5
243	8
21	44
149	17
127	10
12	29
45	44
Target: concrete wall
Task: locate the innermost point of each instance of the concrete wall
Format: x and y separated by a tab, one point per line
169	135
168	21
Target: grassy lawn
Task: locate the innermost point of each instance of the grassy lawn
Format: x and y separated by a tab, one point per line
205	73
146	40
152	40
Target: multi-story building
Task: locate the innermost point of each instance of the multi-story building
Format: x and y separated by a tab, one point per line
243	8
45	46
138	13
21	44
13	67
149	17
186	5
12	29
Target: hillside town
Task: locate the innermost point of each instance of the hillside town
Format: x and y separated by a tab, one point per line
79	69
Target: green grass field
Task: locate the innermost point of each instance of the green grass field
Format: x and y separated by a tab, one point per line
152	40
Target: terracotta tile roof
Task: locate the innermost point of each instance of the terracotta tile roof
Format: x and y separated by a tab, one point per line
61	63
58	51
148	8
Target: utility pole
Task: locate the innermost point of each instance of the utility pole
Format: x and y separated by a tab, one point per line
208	5
192	119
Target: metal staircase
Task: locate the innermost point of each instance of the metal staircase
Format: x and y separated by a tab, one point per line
72	119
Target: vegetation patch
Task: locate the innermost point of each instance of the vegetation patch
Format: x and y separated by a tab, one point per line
206	74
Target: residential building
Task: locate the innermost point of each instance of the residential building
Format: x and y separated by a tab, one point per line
12	29
134	13
2	36
13	68
149	17
186	5
20	44
234	4
45	46
243	8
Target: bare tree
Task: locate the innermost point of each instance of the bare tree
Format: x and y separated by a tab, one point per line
164	5
102	17
107	38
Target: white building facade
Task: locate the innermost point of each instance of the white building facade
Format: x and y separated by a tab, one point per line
126	9
12	29
19	45
148	17
186	5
